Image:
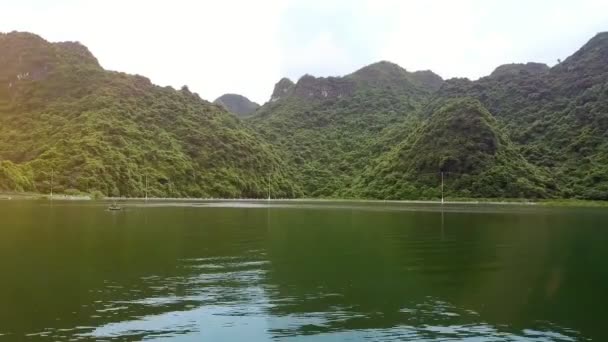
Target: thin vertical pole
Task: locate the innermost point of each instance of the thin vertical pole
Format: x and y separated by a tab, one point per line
146	190
442	226
52	174
269	187
441	187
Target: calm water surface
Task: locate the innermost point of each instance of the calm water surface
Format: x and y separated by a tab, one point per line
302	272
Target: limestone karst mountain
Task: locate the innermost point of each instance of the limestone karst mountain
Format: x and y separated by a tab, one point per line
525	130
66	120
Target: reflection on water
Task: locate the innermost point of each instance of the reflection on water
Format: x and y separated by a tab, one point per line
214	290
330	273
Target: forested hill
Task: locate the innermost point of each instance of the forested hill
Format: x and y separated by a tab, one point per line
384	132
65	119
526	130
557	117
331	128
462	140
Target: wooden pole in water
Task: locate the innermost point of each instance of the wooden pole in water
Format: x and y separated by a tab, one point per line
442	187
442	226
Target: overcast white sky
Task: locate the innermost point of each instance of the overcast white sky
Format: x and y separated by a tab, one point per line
245	47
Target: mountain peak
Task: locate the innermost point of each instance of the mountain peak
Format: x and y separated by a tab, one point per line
427	79
377	71
519	68
385	74
462	135
599	40
26	56
387	66
592	55
281	89
77	52
24	45
237	104
22	36
585	67
108	122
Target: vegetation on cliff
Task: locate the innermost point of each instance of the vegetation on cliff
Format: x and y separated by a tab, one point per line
65	120
526	130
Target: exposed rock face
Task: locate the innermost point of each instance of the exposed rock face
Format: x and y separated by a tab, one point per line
282	89
237	104
310	87
385	76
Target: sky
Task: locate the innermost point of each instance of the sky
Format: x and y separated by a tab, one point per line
245	47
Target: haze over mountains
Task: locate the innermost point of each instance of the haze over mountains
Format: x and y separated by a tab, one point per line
382	132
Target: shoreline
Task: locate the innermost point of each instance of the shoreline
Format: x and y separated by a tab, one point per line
451	201
317	200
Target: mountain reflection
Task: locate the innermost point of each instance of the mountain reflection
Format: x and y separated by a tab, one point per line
493	274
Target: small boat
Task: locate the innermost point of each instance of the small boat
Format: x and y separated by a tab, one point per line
114	207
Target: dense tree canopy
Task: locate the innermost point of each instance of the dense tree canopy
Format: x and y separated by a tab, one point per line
97	130
382	132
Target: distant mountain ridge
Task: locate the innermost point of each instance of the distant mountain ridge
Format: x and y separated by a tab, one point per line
385	74
519	68
382	75
237	104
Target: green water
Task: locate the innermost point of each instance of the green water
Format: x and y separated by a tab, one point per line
302	272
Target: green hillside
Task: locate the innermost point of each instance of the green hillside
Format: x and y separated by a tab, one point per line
367	134
462	141
98	130
330	128
557	117
526	130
